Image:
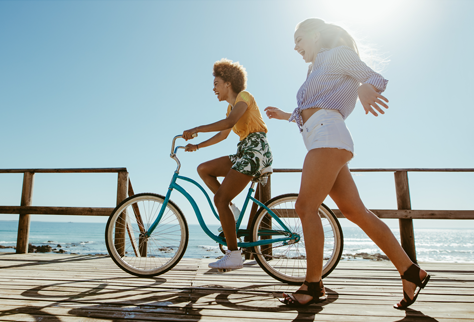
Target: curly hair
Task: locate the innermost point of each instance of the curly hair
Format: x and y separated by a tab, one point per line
231	72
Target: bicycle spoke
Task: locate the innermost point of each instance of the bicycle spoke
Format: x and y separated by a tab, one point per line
287	262
157	253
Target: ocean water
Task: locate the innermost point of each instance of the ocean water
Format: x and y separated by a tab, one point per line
432	245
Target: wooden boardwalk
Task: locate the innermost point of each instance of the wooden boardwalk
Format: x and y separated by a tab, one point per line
40	287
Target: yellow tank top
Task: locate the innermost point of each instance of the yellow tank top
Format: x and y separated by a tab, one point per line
252	120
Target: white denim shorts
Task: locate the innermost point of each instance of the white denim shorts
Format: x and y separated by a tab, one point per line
327	129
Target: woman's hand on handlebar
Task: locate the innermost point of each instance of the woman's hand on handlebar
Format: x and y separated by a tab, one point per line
191	147
189	134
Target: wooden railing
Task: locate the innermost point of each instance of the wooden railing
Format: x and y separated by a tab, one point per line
124	188
404	213
26	209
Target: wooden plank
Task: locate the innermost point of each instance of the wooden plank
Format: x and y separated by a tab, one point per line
51	287
418	214
65	170
392	170
106	211
73	211
399	214
24	220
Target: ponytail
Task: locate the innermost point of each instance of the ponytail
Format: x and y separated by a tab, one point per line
331	35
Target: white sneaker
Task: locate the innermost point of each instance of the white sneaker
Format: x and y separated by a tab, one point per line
231	260
235	212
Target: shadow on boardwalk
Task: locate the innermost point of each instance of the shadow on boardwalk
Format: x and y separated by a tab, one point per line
84	288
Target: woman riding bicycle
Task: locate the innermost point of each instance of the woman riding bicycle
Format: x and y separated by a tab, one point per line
253	151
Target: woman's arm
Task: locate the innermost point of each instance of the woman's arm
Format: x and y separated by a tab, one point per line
222	135
373	84
276	113
350	64
226	124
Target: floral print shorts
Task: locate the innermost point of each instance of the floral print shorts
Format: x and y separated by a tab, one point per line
253	155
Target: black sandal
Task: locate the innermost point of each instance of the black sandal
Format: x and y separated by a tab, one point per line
315	289
412	274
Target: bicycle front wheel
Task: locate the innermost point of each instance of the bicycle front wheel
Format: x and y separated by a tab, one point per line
129	246
287	262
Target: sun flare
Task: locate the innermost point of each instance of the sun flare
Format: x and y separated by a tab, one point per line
362	11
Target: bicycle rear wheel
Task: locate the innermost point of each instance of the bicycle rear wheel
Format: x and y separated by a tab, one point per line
287	263
132	250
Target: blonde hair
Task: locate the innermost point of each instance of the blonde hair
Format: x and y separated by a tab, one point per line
331	35
231	72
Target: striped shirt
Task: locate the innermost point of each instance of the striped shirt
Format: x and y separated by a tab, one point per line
332	82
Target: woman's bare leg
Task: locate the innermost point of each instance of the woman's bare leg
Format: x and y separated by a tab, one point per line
233	184
210	170
320	170
346	196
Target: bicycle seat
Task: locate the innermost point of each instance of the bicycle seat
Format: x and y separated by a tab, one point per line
266	171
264	174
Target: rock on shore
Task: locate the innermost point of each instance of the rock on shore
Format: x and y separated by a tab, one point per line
374	257
44	249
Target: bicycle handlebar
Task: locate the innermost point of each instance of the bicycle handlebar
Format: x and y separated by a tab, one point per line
173	150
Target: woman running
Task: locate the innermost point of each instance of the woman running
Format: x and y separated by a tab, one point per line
335	78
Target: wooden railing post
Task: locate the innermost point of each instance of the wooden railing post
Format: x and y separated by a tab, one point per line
142	241
266	191
24	220
122	193
122	186
265	195
407	234
253	212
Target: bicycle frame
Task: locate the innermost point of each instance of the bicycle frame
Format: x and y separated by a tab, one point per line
174	185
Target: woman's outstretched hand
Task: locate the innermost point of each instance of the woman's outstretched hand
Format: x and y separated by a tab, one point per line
190	147
371	100
189	134
276	113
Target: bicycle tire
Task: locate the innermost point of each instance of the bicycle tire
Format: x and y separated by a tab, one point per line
136	254
287	263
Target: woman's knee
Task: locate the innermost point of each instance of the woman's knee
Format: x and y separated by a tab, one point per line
355	215
221	200
305	209
203	169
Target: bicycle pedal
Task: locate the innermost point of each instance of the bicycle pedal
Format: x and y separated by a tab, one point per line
224	270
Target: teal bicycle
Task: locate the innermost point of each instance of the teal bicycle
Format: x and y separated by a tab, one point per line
147	234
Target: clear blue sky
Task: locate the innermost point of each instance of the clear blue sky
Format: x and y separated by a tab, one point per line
109	83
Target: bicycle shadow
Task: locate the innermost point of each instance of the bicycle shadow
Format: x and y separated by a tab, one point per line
254	293
39	313
118	300
36	312
307	312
